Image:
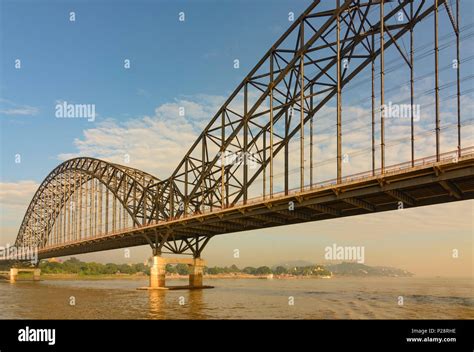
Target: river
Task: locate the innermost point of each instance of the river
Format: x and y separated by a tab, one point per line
336	298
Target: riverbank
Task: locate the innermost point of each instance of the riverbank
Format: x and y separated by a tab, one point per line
223	276
141	276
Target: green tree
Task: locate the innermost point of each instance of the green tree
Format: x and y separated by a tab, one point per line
111	268
182	269
51	268
139	267
279	270
92	268
72	265
250	270
126	269
213	271
219	270
171	269
307	270
234	269
263	270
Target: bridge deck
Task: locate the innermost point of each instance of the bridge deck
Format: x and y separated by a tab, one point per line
425	184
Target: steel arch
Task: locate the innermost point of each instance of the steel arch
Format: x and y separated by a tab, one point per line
39	220
301	71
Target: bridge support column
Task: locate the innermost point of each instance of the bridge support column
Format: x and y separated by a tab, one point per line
13	274
158	272
195	265
196	271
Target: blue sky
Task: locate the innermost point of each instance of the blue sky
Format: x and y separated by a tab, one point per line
82	61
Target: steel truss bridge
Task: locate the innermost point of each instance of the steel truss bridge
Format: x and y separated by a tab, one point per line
86	205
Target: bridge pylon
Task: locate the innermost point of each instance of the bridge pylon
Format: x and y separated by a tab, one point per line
189	245
15	271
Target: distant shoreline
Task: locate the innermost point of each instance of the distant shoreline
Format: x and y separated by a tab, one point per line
170	277
78	277
74	269
54	277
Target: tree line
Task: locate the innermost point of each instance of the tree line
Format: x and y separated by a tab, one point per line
76	266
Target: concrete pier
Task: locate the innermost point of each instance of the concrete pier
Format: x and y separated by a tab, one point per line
158	273
13	274
196	271
15	271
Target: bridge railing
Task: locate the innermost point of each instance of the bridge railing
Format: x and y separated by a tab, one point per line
366	175
361	176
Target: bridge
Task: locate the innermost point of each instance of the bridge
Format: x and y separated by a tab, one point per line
254	165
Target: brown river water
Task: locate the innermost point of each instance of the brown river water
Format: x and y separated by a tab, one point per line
336	298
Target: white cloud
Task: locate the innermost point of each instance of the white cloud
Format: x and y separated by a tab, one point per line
8	107
14	200
15	193
153	143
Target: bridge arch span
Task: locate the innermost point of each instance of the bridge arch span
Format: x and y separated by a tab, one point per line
99	194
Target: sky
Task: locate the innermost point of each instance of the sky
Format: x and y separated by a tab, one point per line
190	64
